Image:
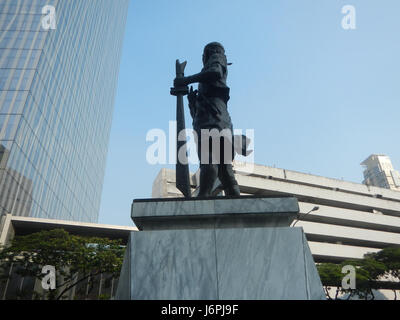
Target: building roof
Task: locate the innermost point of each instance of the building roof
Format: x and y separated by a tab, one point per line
27	225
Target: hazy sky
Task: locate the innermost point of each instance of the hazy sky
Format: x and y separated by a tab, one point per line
320	99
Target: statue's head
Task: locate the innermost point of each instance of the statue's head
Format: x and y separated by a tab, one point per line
212	48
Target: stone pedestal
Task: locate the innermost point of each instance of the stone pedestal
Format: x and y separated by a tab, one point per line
218	249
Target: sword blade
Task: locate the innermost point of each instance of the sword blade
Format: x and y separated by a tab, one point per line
182	167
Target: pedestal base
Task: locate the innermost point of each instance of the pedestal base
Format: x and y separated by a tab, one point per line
219	264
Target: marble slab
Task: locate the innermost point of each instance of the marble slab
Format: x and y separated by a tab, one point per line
173	265
273	263
220	264
219	212
124	282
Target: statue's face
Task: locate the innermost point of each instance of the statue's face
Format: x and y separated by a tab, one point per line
210	51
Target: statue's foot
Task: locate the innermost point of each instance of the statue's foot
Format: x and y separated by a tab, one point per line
232	191
204	195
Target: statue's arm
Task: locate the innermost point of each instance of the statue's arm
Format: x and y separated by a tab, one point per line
213	72
192	108
192	97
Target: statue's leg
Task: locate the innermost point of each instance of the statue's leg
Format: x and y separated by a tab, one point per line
228	180
208	170
208	175
225	170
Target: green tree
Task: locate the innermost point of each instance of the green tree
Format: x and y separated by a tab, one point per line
75	258
369	271
331	276
390	258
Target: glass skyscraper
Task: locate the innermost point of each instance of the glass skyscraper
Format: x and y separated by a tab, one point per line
58	76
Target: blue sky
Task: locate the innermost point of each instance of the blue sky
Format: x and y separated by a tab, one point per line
319	98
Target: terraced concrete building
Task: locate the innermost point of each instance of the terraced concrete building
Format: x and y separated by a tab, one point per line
352	219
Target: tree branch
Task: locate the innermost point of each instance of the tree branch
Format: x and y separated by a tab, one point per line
74	284
71	279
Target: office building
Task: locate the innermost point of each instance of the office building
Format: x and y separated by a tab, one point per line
59	64
379	172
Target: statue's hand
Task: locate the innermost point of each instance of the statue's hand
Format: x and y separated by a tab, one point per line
181	82
192	95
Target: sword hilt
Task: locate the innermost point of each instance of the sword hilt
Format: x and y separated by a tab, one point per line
180	73
180	91
180	68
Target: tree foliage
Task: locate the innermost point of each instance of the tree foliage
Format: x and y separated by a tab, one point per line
390	258
370	270
75	258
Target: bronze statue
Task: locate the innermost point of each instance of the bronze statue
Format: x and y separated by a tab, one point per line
208	108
